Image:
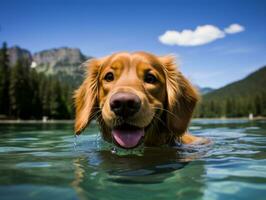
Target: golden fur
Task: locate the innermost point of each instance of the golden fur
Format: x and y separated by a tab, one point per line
166	106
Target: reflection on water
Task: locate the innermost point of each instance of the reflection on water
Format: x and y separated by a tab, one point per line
40	161
138	168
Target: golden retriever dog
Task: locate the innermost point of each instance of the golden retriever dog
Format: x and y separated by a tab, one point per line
136	98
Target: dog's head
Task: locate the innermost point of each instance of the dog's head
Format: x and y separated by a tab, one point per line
135	97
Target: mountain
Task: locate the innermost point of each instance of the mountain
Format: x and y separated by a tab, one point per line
205	90
51	61
15	53
65	63
255	83
237	99
64	59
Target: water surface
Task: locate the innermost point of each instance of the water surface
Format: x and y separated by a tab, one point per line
42	161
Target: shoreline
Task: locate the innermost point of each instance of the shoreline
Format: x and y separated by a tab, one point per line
20	121
71	121
231	118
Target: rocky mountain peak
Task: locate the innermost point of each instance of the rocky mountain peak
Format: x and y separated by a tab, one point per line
59	56
62	61
15	53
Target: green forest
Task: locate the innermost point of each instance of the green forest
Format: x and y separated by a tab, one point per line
28	94
238	99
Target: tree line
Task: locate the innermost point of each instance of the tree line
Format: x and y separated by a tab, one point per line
27	94
232	107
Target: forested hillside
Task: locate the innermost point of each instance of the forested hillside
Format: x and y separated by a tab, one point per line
26	92
237	99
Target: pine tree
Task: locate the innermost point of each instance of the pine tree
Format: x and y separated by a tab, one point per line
4	81
45	95
36	104
19	90
257	102
58	105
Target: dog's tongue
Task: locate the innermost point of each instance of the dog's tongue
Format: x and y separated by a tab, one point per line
128	138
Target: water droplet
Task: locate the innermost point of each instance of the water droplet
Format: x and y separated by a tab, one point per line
98	139
113	150
75	142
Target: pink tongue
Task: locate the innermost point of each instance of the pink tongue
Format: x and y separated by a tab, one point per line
128	138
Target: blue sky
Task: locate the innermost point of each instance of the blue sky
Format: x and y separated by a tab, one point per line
101	27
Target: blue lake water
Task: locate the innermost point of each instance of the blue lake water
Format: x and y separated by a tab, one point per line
46	161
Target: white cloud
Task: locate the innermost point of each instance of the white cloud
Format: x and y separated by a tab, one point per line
234	28
201	35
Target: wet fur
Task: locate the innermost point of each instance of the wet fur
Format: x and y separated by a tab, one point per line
169	122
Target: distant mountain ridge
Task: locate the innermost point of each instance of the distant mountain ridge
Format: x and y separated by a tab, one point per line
63	62
58	60
204	90
50	61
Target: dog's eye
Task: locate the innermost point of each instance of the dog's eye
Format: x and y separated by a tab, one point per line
109	77
150	78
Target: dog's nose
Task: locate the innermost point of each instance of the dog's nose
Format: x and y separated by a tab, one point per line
125	104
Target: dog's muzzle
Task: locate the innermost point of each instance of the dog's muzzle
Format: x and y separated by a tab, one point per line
125	105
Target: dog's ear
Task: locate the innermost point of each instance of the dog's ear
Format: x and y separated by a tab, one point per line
181	97
86	96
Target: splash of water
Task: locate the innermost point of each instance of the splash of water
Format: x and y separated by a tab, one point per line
75	142
113	150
